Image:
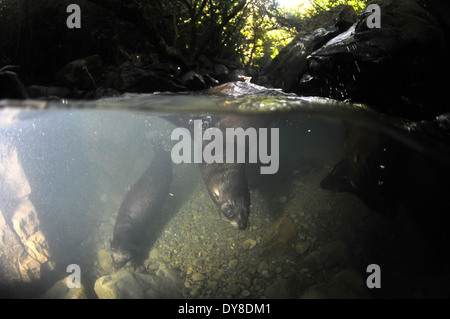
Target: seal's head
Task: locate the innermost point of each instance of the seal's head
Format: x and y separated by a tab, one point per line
120	256
236	213
227	185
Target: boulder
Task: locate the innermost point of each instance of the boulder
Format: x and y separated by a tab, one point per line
24	249
193	81
105	260
290	64
125	284
138	77
60	291
10	85
82	74
347	284
400	68
283	288
330	255
278	239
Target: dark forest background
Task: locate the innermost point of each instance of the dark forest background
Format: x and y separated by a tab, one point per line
184	33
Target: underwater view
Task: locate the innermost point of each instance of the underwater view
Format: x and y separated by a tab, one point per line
201	150
92	184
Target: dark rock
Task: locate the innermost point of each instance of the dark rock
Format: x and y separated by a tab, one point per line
82	74
10	85
347	284
289	65
193	81
210	81
124	284
278	239
45	92
24	249
283	288
137	77
331	255
400	68
221	72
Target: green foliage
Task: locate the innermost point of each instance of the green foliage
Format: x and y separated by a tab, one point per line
262	36
323	5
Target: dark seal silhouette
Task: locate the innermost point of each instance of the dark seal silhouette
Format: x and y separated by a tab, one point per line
140	205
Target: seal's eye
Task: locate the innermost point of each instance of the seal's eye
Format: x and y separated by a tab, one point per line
228	212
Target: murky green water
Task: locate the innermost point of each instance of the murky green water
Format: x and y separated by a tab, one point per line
66	169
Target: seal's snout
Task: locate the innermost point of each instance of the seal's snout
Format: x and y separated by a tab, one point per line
238	218
119	257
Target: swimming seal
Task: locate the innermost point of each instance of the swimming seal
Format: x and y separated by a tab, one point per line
227	182
228	188
142	202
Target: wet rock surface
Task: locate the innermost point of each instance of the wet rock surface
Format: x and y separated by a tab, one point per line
60	290
24	248
287	68
399	68
395	68
125	284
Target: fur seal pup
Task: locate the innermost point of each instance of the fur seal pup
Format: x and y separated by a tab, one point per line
227	182
142	202
228	188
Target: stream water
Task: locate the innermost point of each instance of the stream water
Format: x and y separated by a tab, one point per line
351	189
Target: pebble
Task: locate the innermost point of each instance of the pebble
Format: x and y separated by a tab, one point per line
302	247
232	264
198	276
263	267
154	253
249	243
218	274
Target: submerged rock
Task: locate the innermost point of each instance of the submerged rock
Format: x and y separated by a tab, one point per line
347	284
126	284
24	249
60	291
105	260
331	255
283	288
278	240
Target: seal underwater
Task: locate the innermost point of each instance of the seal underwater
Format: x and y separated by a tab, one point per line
227	182
140	205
